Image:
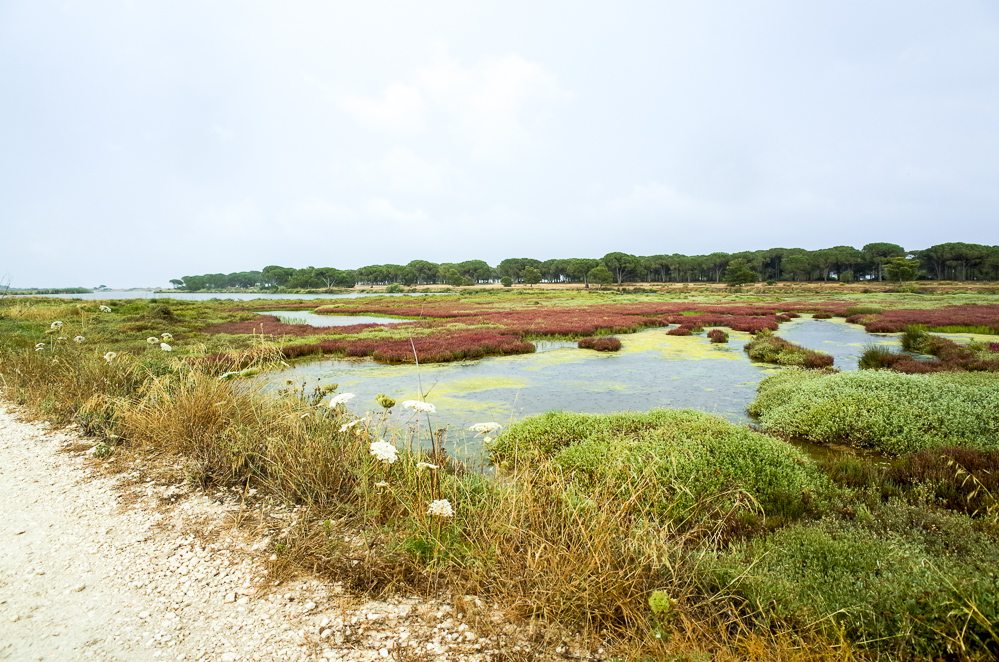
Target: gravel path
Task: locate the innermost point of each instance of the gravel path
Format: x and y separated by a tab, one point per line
86	573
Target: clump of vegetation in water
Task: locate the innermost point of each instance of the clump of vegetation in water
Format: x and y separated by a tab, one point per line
888	411
768	348
686	455
948	355
600	343
717	336
822	316
681	331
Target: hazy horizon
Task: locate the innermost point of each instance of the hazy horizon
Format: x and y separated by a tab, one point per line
147	141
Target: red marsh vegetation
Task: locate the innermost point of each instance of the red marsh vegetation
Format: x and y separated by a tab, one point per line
505	330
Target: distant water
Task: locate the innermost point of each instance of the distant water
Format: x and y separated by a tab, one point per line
207	296
312	319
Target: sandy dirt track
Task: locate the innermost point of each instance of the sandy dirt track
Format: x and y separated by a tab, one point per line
88	574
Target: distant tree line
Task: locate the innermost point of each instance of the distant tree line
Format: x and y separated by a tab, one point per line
877	261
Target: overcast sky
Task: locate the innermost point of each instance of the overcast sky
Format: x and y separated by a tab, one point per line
142	141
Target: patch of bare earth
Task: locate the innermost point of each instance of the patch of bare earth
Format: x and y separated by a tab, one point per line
113	567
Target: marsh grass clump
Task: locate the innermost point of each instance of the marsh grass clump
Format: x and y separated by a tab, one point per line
962	479
878	357
948	355
765	347
687	456
892	412
717	336
600	343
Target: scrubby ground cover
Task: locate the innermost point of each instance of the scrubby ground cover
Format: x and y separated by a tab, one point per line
661	535
888	411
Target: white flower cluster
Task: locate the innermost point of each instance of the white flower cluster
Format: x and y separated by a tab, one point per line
152	340
419	406
383	451
55	326
440	508
165	347
78	339
353	423
426	465
39	346
166	336
485	428
110	356
105	309
341	399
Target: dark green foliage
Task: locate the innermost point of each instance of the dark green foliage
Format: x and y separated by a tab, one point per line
876	357
738	272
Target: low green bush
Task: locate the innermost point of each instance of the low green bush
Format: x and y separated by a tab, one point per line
897	586
893	412
687	456
765	347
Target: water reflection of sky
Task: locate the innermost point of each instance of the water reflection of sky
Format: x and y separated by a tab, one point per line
312	319
652	370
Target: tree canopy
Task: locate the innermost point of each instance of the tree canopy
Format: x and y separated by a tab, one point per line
948	261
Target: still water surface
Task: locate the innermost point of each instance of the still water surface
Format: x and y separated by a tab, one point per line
652	370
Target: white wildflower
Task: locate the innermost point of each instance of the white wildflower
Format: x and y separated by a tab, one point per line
384	451
152	340
165	347
39	345
486	440
166	336
440	508
419	406
381	483
485	428
341	399
55	325
78	339
356	421
105	309
61	338
110	356
426	465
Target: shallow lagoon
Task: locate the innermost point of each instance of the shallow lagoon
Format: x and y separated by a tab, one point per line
652	370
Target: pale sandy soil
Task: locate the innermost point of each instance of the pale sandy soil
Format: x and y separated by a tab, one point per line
114	568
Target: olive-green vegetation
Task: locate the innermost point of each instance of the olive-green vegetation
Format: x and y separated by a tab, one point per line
911	581
765	347
659	535
891	412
